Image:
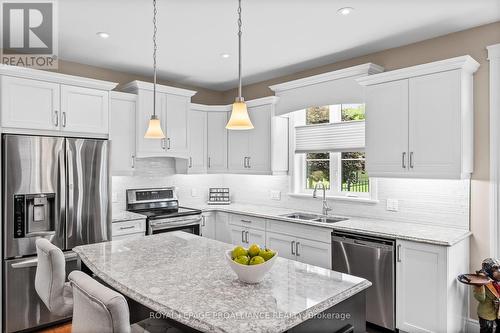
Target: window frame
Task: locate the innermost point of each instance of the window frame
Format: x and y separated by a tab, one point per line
299	168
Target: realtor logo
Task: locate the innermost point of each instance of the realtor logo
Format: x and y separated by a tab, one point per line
29	34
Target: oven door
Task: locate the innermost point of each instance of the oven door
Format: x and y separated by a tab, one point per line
186	224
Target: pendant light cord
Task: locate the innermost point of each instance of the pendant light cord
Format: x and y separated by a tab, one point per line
239	50
154	56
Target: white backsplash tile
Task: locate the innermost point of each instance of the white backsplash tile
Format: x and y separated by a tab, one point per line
433	202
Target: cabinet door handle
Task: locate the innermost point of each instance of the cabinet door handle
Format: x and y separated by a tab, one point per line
246	236
64	119
163	144
411	160
248	162
245	162
398	253
403	160
168	143
203	221
209	163
56	122
293	247
297	249
243	236
190	162
133	161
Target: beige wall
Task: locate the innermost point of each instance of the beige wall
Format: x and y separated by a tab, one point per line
72	68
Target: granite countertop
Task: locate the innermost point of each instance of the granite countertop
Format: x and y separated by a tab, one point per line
187	278
126	216
374	227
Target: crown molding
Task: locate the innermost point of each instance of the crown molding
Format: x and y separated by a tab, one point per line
122	96
493	51
210	108
364	69
136	85
41	75
465	63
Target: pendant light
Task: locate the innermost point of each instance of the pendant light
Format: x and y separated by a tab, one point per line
154	129
239	116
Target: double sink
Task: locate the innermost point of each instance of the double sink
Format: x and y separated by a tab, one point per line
314	217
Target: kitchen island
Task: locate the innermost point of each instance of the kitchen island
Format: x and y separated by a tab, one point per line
186	278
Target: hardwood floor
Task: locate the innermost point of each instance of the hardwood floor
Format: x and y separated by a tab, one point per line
62	328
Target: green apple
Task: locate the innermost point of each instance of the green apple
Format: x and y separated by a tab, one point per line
257	260
253	250
243	260
267	254
239	251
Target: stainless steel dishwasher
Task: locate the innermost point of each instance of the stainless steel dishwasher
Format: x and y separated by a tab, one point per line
373	259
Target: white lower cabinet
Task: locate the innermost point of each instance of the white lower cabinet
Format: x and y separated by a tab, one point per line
245	236
222	230
128	229
428	296
301	249
208	225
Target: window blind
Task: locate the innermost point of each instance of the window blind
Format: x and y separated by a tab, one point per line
332	137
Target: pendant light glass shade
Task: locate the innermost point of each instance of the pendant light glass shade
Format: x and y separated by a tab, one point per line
240	120
154	129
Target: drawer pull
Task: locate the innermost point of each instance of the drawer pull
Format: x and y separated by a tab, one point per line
246	221
129	227
293	247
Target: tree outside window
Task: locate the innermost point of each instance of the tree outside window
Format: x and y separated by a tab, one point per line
341	172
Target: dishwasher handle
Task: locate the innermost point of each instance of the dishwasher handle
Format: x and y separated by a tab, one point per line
383	245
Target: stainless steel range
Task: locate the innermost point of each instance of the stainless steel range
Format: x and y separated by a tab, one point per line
161	207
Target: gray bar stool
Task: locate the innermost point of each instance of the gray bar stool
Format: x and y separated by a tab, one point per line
50	278
99	309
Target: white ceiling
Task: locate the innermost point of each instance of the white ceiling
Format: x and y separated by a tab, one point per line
279	36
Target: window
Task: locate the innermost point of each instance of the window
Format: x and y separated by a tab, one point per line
343	173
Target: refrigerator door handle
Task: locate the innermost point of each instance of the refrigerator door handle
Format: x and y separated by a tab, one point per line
34	262
25	263
70	196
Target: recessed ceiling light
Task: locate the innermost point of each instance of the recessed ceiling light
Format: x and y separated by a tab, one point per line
345	11
103	34
225	55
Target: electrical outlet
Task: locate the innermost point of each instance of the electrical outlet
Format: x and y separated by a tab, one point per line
392	205
114	197
275	195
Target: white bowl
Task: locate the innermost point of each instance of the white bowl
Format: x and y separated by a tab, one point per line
250	273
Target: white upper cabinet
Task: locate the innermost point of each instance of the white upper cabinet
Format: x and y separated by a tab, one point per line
176	124
172	107
84	110
35	101
29	104
419	120
217	141
122	132
250	151
197	160
435	126
387	101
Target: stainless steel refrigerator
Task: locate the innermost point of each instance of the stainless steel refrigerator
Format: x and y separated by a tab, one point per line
56	188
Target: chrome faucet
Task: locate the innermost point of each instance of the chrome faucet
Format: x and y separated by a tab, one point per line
326	209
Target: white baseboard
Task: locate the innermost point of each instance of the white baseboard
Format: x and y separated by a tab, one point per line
472	326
